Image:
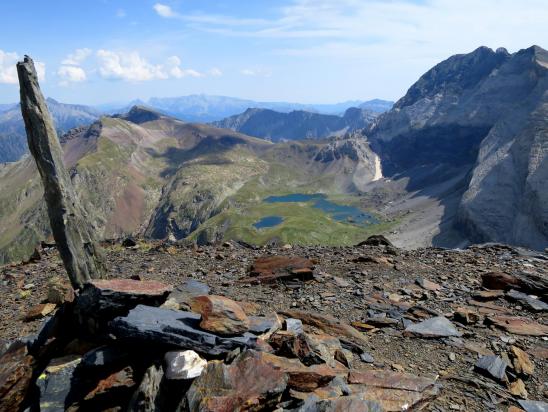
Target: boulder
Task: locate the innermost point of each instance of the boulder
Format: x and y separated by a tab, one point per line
116	387
183	364
16	369
166	327
106	356
147	396
220	315
270	269
265	326
102	300
519	325
328	324
522	363
427	284
533	406
249	383
59	291
56	384
536	305
394	391
181	297
499	281
39	311
376	240
294	325
341	404
437	327
492	366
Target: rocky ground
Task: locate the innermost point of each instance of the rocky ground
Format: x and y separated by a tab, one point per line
474	321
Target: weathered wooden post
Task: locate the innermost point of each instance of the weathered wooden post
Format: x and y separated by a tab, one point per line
81	254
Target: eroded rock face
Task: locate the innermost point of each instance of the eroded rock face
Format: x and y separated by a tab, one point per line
485	112
75	238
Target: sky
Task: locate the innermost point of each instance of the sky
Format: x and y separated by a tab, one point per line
307	51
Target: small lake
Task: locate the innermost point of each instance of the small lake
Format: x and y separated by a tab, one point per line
268	221
341	213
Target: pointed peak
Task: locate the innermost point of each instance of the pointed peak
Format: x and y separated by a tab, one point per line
141	114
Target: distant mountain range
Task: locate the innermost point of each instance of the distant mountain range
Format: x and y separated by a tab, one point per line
194	108
205	108
13	141
296	125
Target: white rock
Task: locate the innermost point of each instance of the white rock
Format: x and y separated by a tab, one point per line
184	364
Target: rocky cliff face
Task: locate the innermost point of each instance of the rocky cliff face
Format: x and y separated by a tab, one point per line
296	125
484	112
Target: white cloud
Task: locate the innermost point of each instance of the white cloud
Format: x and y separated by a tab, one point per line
215	72
77	57
8	71
431	29
175	70
71	74
256	72
131	66
127	66
164	11
121	13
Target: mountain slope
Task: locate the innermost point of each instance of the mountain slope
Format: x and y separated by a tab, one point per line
150	174
480	116
296	125
13	140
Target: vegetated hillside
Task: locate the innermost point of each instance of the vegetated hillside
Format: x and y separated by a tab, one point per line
479	120
146	173
295	125
13	139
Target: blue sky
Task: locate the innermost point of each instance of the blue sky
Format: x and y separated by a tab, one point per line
309	51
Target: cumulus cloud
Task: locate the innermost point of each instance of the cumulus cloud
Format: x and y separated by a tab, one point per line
127	66
164	11
175	70
77	57
71	74
131	66
8	71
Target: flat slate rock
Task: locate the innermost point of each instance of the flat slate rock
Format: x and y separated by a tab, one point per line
535	305
175	328
533	406
270	269
114	297
438	327
493	366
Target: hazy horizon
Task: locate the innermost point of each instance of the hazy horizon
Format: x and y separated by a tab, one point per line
302	51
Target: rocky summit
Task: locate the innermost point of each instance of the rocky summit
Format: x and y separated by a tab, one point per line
231	327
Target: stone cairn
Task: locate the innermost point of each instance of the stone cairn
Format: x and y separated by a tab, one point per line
122	344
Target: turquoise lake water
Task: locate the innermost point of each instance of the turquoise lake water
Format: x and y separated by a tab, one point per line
268	221
341	213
